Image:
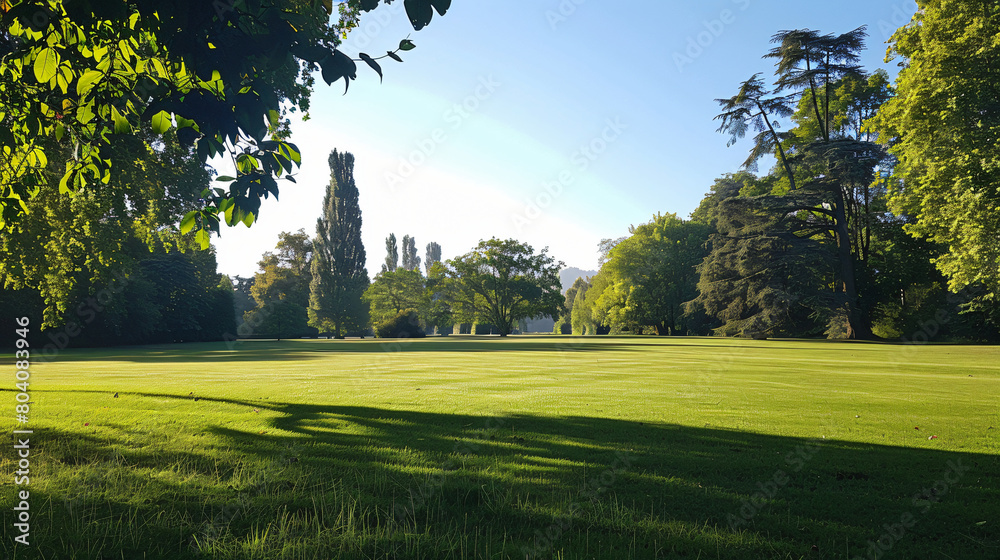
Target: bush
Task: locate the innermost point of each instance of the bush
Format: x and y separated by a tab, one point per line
406	324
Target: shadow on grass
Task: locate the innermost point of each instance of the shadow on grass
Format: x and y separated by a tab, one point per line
359	482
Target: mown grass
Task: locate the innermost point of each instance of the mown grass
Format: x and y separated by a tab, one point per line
547	447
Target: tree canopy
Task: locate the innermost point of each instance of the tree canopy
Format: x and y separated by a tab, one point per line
394	291
942	127
503	281
651	274
220	75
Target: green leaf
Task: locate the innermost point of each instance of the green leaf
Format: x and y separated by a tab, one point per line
339	66
371	62
60	131
46	65
249	219
406	45
122	125
393	56
63	77
187	224
291	151
225	178
203	238
419	12
246	164
161	122
85	113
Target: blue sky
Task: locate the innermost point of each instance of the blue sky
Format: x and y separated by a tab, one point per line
555	122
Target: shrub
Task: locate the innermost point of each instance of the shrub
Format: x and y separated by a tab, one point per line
406	324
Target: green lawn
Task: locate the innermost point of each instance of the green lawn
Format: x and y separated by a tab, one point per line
550	447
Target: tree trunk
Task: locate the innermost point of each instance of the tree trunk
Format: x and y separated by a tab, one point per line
858	325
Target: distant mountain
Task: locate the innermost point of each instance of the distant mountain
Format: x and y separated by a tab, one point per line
569	275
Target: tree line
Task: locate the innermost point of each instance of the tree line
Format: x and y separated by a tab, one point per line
873	222
877	219
319	286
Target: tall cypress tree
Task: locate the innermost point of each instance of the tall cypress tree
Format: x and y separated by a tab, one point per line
339	276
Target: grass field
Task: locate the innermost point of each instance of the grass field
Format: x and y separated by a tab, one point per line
540	447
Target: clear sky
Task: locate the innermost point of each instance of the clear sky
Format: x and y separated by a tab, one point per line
555	122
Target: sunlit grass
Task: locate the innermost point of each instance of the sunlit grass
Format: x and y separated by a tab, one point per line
476	447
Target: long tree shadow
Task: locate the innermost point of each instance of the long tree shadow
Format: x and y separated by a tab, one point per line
598	487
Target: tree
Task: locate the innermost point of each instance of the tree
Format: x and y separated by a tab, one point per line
287	274
433	255
833	166
579	315
501	282
564	325
942	127
221	74
727	186
604	249
410	259
392	254
395	291
752	108
438	295
759	277
66	246
339	277
281	289
652	274
586	314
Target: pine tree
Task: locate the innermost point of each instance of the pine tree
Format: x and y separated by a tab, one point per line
339	276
